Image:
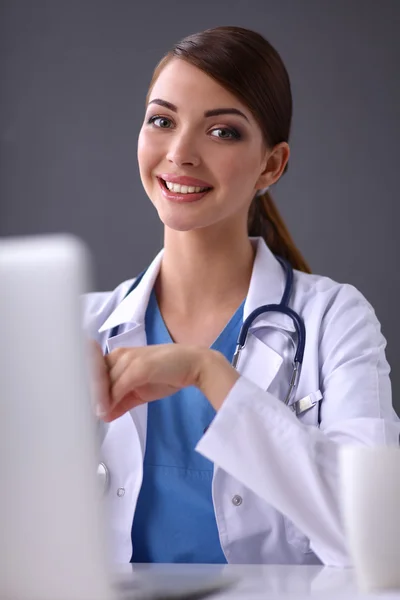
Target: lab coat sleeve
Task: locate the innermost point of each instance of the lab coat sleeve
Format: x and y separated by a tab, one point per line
294	467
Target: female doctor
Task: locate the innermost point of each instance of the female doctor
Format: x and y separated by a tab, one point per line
205	462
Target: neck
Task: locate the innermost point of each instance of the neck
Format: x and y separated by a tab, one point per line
202	270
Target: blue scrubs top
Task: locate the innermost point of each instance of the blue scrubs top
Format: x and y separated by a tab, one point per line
174	520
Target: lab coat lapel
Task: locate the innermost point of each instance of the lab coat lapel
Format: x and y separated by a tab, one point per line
267	285
133	337
129	316
131	310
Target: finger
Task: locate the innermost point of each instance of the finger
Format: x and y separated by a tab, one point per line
131	400
136	373
130	368
119	362
120	355
114	357
102	399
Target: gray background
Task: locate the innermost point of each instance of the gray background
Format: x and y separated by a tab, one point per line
73	77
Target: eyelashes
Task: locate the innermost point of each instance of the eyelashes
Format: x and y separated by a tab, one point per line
233	134
152	121
228	133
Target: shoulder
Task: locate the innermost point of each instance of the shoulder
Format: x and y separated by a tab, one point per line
338	316
97	307
326	296
341	321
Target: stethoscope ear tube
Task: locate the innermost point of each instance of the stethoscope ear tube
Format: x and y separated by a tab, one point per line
236	356
294	380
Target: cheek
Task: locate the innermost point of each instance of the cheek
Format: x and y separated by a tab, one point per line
236	168
148	155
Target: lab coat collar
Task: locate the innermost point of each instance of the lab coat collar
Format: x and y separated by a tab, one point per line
266	287
133	307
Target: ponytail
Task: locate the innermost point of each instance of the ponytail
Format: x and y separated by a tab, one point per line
266	222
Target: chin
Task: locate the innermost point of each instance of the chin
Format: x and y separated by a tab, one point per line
181	222
180	225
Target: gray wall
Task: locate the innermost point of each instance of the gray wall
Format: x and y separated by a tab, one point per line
73	77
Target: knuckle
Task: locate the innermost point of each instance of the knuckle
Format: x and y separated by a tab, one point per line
124	359
118	352
119	355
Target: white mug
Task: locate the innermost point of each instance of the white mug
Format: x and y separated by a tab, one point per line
370	495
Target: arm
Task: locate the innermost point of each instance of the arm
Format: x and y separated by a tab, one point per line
299	472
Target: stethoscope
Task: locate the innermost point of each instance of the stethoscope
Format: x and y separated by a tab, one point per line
283	308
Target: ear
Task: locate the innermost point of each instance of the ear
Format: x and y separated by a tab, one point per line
275	161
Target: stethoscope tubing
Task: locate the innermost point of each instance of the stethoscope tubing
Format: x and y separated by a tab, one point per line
282	308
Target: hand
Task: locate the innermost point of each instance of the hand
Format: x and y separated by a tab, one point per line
143	374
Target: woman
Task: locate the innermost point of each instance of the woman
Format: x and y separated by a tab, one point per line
207	463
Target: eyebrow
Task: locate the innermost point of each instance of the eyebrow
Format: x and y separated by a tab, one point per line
215	112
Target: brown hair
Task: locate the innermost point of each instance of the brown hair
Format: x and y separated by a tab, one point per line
244	63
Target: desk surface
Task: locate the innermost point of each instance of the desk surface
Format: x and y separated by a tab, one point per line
270	582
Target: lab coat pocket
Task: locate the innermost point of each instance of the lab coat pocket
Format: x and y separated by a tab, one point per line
259	363
296	538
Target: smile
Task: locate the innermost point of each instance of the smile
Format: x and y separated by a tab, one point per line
177	192
183	189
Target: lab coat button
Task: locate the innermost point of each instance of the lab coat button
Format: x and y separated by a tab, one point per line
120	492
237	500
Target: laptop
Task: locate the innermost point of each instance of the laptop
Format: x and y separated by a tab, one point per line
53	523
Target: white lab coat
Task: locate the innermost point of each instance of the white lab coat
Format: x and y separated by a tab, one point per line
275	487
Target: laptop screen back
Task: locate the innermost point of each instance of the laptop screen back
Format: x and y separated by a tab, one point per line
51	523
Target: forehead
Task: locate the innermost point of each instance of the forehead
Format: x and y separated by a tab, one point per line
187	86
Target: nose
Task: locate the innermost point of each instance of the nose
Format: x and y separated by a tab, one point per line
183	152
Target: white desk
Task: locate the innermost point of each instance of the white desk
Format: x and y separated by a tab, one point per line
271	582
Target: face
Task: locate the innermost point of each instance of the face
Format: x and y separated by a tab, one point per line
201	153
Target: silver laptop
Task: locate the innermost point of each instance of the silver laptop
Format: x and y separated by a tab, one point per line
53	526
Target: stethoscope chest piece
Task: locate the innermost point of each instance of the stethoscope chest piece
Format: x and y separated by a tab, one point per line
103	477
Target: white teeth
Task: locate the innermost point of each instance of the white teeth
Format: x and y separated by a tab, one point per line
183	189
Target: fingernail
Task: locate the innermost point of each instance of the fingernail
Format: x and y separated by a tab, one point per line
100	411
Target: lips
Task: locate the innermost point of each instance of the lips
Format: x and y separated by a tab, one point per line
179	196
184	180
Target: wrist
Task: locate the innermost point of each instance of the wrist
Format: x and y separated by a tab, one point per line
216	376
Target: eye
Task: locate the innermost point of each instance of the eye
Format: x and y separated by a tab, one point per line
226	133
160	122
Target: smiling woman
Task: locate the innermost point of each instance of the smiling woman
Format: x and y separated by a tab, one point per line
260	95
220	463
